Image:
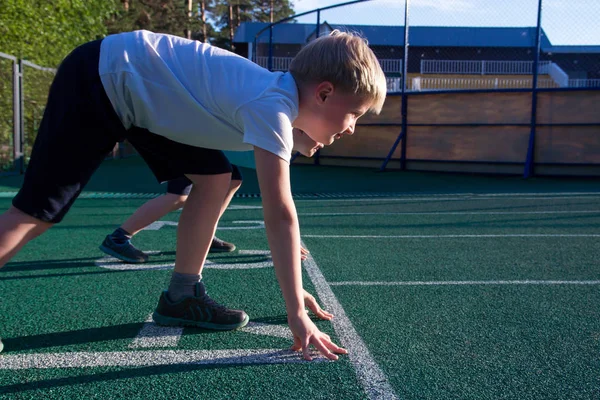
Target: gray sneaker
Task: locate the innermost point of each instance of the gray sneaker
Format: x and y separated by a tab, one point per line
199	311
124	252
221	246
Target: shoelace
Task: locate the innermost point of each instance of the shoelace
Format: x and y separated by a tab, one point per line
210	302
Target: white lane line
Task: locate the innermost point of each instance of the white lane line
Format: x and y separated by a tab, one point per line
449	236
449	213
573	194
240	207
377	199
155	226
145	358
115	264
258	328
153	336
370	376
458	283
462	197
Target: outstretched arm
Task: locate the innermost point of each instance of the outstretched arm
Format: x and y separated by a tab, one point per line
283	234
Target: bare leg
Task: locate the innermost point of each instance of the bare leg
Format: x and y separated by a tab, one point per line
16	230
158	207
152	211
233	187
196	229
198	221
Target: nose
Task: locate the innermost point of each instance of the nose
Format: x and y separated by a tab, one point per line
349	130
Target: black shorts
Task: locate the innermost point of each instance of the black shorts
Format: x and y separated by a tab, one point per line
183	186
79	128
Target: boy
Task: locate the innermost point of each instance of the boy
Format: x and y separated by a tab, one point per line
118	244
179	103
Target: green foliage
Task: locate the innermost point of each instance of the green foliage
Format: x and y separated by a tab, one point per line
245	11
45	31
171	16
154	15
36	85
6	114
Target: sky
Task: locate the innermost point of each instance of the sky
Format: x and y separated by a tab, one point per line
566	22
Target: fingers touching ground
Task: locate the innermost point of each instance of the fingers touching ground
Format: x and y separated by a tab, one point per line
325	346
304	253
318	311
322	343
313	305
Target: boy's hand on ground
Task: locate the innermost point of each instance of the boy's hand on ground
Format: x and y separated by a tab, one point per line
311	303
306	333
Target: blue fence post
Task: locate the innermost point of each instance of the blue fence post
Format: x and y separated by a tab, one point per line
402	135
530	160
318	30
270	63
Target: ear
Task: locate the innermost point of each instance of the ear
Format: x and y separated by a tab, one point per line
324	90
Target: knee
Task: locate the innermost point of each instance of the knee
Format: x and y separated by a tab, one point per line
14	218
177	200
218	183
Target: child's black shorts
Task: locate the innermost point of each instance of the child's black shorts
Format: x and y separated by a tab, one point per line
183	186
80	128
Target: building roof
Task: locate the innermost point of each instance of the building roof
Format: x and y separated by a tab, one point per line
289	33
419	36
573	49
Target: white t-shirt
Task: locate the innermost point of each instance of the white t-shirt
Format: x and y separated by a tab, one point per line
197	94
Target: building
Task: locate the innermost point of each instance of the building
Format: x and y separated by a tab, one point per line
500	57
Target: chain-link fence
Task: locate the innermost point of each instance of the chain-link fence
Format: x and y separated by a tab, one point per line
36	81
23	93
473	85
8	65
24	88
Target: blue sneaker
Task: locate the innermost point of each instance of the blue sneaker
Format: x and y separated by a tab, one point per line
124	252
198	311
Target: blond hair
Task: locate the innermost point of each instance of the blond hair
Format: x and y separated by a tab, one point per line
345	60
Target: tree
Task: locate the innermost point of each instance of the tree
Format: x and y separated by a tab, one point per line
213	21
176	17
45	31
230	14
165	16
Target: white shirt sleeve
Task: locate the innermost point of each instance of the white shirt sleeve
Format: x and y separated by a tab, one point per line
267	124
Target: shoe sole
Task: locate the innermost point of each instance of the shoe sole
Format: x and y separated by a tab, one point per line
169	321
113	253
1	346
